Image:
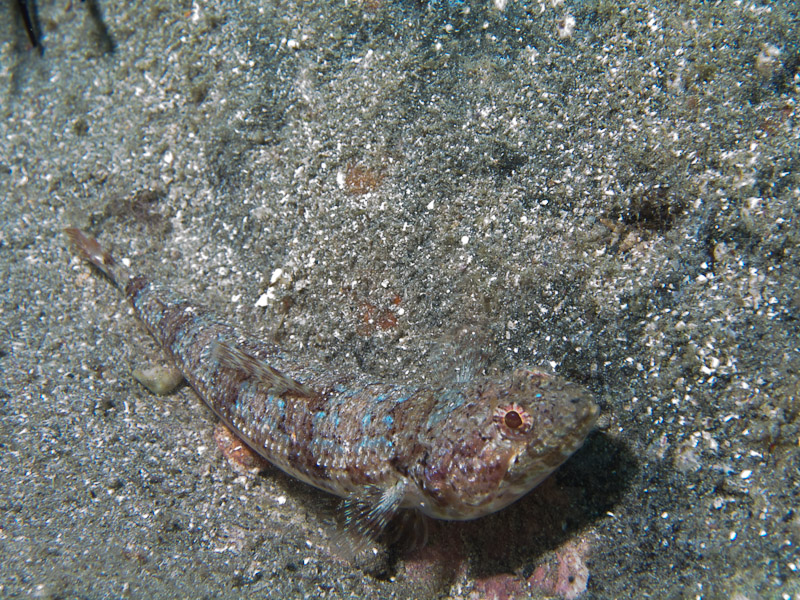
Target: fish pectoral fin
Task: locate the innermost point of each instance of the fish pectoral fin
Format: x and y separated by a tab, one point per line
233	357
366	517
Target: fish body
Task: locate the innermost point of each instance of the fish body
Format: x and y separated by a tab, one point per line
451	452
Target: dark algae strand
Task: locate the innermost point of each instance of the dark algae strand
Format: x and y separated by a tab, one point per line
451	452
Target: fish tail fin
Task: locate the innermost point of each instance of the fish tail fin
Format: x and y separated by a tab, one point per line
90	250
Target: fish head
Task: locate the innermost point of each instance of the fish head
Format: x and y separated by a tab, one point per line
489	444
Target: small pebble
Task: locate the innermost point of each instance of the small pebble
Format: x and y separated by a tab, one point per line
159	379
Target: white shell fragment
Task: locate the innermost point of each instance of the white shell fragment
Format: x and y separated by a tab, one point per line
159	379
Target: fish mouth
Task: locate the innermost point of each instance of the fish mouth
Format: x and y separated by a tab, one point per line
571	434
586	420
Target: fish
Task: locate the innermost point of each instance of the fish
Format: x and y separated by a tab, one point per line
456	451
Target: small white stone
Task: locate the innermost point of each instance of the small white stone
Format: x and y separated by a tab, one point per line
767	59
566	27
262	301
159	379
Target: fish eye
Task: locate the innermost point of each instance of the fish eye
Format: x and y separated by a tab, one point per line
513	420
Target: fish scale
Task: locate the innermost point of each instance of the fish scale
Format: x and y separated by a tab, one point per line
451	452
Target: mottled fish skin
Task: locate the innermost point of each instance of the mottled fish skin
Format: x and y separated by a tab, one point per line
450	452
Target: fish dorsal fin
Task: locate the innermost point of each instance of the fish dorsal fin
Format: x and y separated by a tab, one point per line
233	357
